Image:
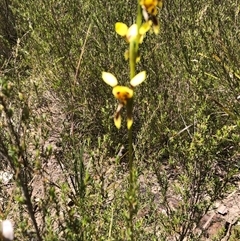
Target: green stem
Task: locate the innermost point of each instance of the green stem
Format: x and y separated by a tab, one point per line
133	54
132	63
132	59
131	194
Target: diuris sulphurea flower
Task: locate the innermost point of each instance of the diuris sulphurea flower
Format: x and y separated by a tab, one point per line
150	11
124	95
151	6
132	34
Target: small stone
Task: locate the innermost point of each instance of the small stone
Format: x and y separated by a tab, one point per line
222	210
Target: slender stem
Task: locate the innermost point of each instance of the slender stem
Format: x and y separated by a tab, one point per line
132	59
133	54
131	194
139	16
132	63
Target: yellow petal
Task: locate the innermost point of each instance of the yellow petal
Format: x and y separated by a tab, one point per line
160	4
145	27
129	123
121	29
117	121
126	55
156	29
138	59
153	11
156	26
145	14
138	79
141	38
109	79
122	93
132	33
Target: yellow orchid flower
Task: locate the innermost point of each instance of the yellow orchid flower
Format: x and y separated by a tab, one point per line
150	11
151	6
129	33
124	95
132	32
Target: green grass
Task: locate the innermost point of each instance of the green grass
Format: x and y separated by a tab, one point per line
58	137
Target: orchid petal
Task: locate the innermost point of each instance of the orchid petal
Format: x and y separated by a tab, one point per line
109	79
129	123
121	29
122	93
117	120
138	79
145	27
132	33
156	29
126	55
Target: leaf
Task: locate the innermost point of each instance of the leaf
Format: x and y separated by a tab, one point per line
109	79
138	79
